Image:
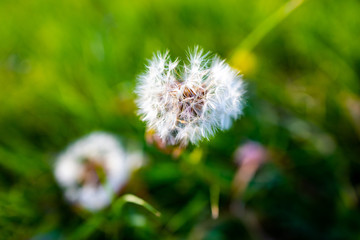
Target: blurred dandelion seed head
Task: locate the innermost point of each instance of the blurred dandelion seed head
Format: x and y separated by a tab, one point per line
190	102
93	169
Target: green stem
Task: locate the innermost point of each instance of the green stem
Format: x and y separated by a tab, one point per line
214	200
265	27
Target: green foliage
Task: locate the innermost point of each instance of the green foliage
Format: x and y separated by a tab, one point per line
69	67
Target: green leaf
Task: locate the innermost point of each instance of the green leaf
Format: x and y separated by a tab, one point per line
129	198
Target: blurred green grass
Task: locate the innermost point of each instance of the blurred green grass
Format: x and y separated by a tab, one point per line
69	67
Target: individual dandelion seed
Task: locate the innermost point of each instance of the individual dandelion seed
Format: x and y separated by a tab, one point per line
189	102
93	169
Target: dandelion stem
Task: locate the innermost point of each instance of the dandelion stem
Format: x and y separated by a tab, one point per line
250	42
214	199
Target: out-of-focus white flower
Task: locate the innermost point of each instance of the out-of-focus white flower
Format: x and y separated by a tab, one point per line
190	102
93	169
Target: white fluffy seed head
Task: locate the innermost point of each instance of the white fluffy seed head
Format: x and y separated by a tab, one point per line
190	102
93	169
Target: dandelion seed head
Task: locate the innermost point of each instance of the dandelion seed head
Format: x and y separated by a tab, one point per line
190	102
93	169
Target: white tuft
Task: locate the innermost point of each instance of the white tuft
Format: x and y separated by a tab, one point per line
81	184
190	103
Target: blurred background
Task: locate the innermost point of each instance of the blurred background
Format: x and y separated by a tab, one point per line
68	68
